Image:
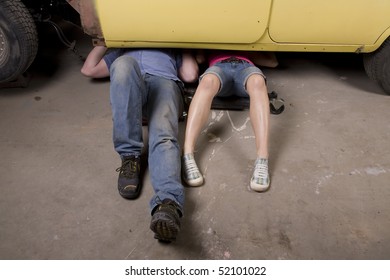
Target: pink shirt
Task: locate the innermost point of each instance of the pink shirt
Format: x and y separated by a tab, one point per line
219	56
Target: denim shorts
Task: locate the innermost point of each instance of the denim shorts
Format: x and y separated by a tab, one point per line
233	77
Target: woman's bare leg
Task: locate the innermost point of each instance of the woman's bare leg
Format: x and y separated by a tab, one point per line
259	114
197	116
199	110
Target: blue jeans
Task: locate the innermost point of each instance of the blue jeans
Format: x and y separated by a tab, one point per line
134	95
233	77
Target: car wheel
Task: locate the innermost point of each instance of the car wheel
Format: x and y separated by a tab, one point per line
18	39
377	65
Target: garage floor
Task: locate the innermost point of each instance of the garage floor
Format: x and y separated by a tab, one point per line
330	168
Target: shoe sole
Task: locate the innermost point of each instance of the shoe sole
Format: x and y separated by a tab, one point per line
259	188
194	183
164	227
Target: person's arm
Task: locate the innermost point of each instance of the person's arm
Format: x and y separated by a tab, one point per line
265	59
95	66
189	69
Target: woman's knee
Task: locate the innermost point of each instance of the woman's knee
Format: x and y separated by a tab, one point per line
210	82
256	81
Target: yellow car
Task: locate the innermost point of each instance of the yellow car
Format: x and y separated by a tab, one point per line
353	26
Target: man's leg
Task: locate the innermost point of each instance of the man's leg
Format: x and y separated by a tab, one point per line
165	105
127	92
198	114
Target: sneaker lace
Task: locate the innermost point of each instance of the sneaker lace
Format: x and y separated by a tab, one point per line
191	167
128	168
261	171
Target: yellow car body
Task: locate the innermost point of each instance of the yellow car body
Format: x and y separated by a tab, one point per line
353	26
270	25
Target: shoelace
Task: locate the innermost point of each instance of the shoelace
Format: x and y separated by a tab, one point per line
128	168
191	167
261	171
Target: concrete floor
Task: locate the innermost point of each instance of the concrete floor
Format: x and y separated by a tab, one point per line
330	169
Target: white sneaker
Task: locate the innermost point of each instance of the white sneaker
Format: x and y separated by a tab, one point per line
260	178
191	173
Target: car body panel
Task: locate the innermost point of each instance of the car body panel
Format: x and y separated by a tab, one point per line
347	22
201	21
268	25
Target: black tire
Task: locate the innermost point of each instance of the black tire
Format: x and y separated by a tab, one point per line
377	66
18	39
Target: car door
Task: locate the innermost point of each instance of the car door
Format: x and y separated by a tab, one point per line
334	22
195	21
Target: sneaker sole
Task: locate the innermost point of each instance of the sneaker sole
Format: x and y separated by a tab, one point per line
259	188
194	183
164	227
